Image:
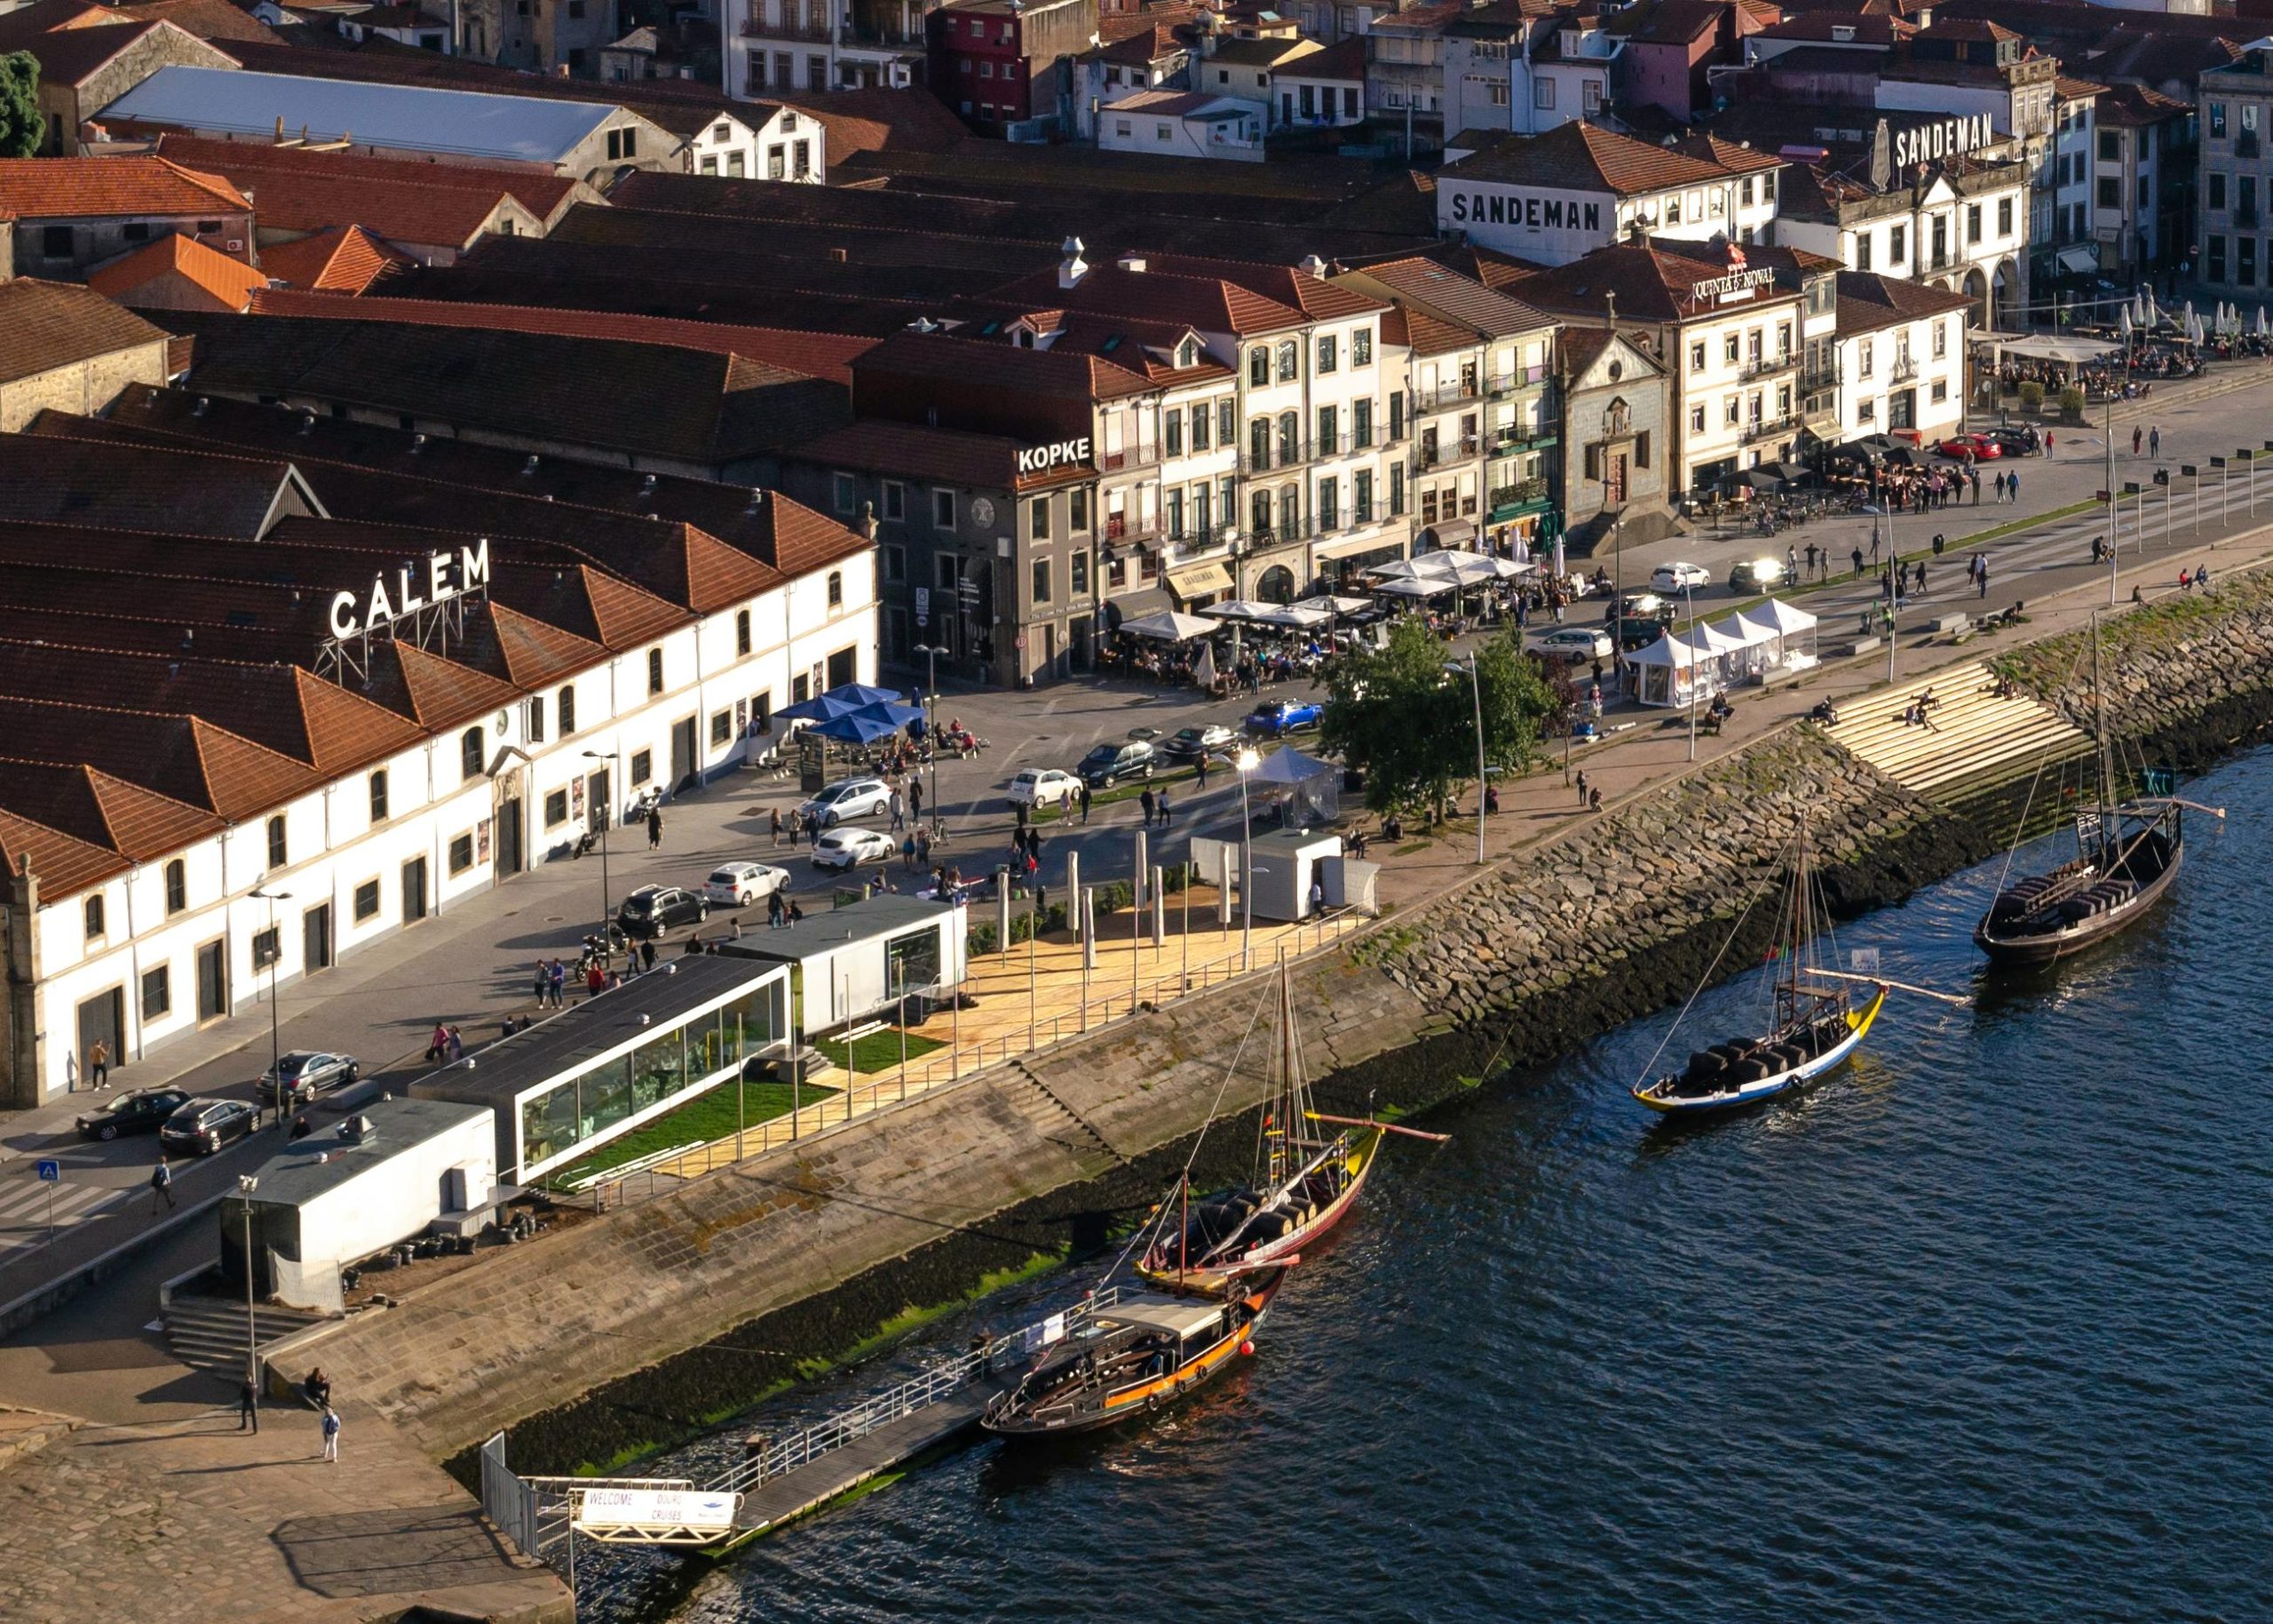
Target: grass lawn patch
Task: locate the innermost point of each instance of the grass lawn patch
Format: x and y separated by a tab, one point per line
709	1116
879	1052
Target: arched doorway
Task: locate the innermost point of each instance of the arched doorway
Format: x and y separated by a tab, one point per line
1277	585
1977	289
2004	291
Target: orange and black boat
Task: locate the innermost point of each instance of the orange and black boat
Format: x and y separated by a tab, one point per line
1143	1351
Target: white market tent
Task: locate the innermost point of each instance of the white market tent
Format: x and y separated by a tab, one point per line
1743	647
1787	632
1293	615
1415	589
1168	626
1335	604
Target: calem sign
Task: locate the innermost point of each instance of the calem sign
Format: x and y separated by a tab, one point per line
411	589
1057	454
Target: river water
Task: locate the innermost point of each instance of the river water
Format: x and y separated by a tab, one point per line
1974	1331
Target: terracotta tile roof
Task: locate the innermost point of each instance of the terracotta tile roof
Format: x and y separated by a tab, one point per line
1868	301
1065	374
951	456
1969	30
1212	303
1665	22
1487	266
46	325
537	654
193	492
1166	103
663	399
1861	28
1652	282
1579	157
879	120
434	204
65	866
1343	61
2136	105
102	809
821	355
86	188
183	757
2069	88
207	20
228	283
387	474
1478	310
72	41
1318	298
343	259
1733	156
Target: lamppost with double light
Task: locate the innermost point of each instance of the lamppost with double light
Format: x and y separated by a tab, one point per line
605	813
1689	607
275	1040
1475	692
932	653
1247	761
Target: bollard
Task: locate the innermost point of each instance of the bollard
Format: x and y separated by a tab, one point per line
1073	889
1002	909
1160	909
1223	888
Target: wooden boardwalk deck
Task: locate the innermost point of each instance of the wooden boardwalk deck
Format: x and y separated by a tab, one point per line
1976	738
807	1488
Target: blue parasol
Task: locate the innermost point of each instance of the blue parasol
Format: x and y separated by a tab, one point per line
859	727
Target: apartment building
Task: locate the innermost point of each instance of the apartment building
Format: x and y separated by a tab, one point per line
2235	112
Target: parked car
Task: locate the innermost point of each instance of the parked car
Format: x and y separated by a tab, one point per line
849	848
1276	718
201	1127
1044	786
307	1073
143	1110
1648	606
1570	644
1756	575
1108	764
739	884
850	797
1970	448
1675	577
654	910
1640	631
2011	442
1190	743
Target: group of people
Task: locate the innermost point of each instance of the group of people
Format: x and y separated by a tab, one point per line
315	1389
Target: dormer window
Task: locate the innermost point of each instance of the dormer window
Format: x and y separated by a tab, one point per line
1843	32
1187	353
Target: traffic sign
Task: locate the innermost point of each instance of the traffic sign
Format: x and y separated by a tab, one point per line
923	605
49	1171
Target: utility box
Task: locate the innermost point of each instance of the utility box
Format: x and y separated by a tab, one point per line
1285	865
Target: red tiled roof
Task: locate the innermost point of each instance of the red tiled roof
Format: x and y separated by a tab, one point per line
541	192
344	260
1316	297
1212	303
230	282
1579	157
952	456
83	188
822	355
1005	367
46	325
206	19
2137	104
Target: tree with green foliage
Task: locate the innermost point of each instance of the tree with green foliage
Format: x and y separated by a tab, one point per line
1400	714
22	127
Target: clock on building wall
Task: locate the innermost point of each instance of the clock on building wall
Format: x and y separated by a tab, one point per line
982	512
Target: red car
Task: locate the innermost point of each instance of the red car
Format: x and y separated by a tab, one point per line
1971	448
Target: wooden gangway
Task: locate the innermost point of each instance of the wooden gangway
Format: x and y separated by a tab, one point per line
1972	739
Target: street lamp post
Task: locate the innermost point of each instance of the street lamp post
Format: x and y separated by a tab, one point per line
1689	604
607	815
931	721
275	1042
1475	692
246	1184
1247	761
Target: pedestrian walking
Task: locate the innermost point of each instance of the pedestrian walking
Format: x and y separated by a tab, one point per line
898	813
1582	786
647	954
595	979
2000	485
1018	814
915	796
923	848
2137	434
1791	571
2155	441
774	833
2013	486
906	852
98	1064
1199	772
1858	563
248	1407
1034	844
1876	542
776	913
1144	801
331	1435
1975	476
655	827
1984	578
560	984
544	982
438	1045
162	1184
796	827
1164	809
457	1045
1085	802
1810	558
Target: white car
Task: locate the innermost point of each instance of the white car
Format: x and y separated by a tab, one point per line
1571	644
739	884
1044	786
850	798
1676	577
850	848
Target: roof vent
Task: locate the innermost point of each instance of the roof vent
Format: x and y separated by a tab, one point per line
756	498
417	444
647	485
199	409
307	422
1314	267
530	465
1074	267
357	1130
1130	262
837	255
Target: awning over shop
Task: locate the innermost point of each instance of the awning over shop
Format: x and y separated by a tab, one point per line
1269	614
1336	604
1197	581
2079	261
1131	605
1451	533
1823	426
1167	627
2072	351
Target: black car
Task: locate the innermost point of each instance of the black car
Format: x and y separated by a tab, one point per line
2013	443
143	1110
1109	764
201	1127
654	910
308	1072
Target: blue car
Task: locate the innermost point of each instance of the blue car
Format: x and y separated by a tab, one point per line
1275	718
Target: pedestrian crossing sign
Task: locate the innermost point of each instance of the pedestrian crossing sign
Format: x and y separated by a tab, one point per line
49	1171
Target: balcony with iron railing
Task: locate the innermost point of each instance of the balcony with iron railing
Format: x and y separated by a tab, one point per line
1442	453
1510	501
882	38
1129	527
1765	366
809	32
1458	391
1282	455
1128	456
1905	371
1508	383
1515	439
1769	428
1819	377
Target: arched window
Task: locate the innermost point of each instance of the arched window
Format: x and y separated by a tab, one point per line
96	928
470	754
1258	443
1277	585
836	589
1261	528
177	886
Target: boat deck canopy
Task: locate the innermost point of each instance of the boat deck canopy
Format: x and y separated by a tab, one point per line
1180	1316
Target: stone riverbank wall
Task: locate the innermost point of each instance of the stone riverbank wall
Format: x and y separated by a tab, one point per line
659	1319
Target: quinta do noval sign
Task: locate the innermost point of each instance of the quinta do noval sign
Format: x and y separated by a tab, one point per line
445	577
1057	454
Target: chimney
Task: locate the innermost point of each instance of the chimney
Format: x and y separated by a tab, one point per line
1314	267
869	520
1074	267
837	255
1130	262
1609	304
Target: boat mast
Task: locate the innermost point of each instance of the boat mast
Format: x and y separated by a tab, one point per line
2099	731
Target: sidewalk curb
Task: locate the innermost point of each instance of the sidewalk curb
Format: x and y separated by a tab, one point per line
44	1299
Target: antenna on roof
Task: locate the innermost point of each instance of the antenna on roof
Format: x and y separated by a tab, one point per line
756	498
530	466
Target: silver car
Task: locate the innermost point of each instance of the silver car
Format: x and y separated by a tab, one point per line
850	797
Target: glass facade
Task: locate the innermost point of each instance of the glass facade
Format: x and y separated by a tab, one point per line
590	1105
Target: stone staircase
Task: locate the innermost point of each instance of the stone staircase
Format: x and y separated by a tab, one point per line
209	1333
1052	1118
1976	741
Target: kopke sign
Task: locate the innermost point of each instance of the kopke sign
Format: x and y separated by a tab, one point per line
1930	143
1058	453
443	578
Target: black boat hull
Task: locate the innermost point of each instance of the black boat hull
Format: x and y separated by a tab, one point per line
2038	950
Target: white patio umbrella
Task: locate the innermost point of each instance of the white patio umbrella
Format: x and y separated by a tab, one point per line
2125	322
2154	316
2260	320
2187	317
1168	626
